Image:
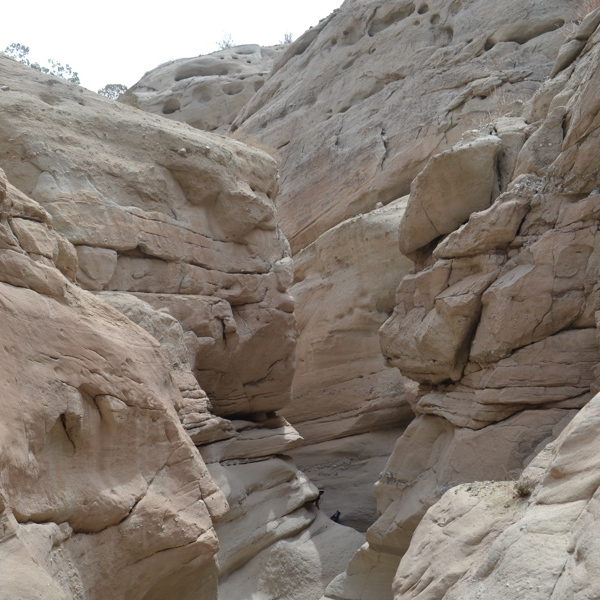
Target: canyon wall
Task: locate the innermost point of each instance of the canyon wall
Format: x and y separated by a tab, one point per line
355	108
418	118
439	189
149	343
534	350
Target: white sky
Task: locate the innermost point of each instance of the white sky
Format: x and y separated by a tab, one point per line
117	41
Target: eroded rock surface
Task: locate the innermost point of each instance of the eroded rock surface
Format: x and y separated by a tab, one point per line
208	91
184	220
356	108
497	325
107	428
533	538
86	393
384	87
344	286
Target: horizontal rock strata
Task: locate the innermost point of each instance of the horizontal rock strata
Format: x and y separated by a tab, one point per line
178	355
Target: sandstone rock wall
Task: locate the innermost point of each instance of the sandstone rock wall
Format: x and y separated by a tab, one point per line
498	327
356	107
535	346
108	428
86	394
147	430
344	291
385	86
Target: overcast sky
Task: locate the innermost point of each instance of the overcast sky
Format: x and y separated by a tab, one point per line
117	41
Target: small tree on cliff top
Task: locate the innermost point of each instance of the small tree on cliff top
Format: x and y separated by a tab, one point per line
113	91
20	53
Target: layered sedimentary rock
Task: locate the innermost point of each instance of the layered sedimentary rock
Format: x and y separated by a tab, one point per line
535	345
385	87
171	231
494	325
355	108
86	394
209	91
498	327
536	537
181	219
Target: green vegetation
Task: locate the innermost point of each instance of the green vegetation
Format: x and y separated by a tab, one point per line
524	487
113	91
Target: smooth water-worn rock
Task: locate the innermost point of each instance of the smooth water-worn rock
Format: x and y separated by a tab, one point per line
344	291
534	537
355	108
544	354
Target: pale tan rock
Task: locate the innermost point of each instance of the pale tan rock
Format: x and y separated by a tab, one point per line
433	455
96	469
148	218
253	440
206	92
34	237
540	545
487	230
344	292
545	291
194	407
309	561
576	42
544	146
270	500
464	177
368	577
345	470
344	96
96	266
556	267
242	355
427	336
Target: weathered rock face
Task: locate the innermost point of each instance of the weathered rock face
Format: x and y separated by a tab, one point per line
206	92
355	108
386	85
498	327
494	325
535	538
184	220
106	427
345	469
535	345
348	82
86	393
344	283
